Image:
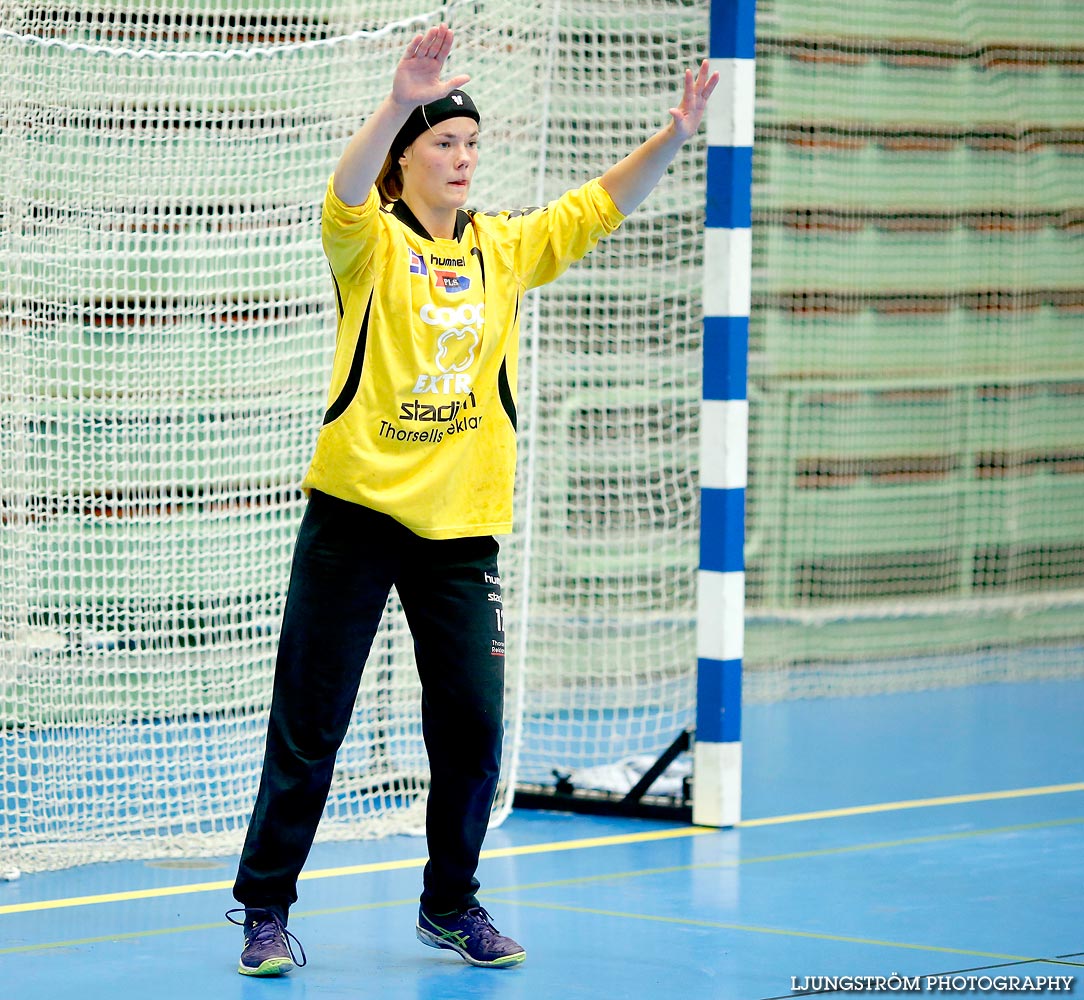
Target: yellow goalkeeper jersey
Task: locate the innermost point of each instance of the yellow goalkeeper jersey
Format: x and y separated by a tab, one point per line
421	410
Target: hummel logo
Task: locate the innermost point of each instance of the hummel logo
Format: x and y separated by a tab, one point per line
458	98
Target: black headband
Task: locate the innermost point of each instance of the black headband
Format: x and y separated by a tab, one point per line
456	105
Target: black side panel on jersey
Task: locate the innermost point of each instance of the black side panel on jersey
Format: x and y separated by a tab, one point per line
504	390
353	377
338	293
475	252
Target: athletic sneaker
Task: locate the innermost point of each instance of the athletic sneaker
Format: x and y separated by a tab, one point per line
268	950
472	935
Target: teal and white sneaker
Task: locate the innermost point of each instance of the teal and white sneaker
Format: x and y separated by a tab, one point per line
268	949
472	935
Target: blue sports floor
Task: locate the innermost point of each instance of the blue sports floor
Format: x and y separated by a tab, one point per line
938	834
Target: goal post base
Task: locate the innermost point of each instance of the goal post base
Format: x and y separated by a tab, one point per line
564	796
718	768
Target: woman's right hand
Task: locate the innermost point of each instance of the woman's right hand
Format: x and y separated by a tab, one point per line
416	81
417	77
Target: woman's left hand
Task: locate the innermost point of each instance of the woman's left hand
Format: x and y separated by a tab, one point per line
687	115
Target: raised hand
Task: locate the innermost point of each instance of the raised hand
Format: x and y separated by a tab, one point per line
687	115
417	77
630	180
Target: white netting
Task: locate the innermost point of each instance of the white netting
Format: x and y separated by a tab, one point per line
916	503
165	335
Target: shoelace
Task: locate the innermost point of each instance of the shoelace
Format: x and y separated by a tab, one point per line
268	929
486	928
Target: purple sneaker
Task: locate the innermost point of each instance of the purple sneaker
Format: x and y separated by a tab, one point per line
268	950
472	935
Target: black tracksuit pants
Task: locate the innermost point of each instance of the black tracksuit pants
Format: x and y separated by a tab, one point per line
346	560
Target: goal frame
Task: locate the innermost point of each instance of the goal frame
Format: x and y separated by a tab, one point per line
712	797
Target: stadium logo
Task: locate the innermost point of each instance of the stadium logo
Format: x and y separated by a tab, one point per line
438	413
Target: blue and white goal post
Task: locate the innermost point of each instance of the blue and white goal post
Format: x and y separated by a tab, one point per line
724	418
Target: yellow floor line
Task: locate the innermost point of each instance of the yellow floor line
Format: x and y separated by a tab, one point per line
785	932
944	800
585	843
495	895
780	931
821	852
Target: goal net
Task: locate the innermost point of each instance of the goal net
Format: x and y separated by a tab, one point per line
916	501
166	323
